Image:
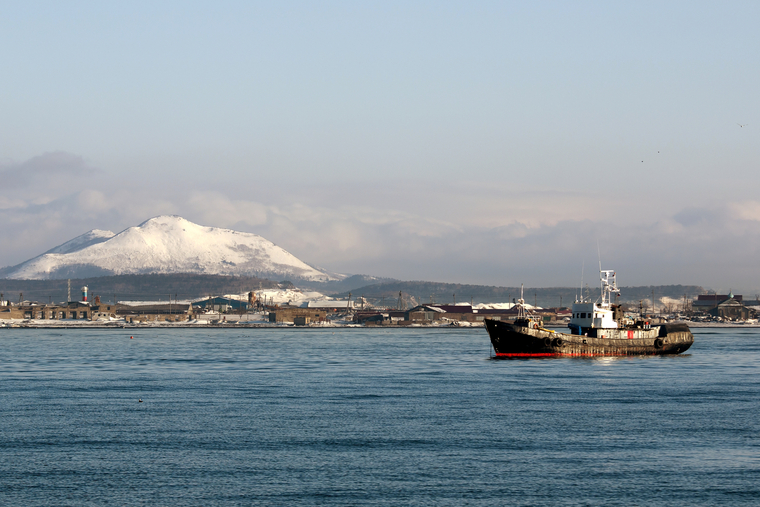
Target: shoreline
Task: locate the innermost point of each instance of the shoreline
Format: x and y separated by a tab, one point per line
26	324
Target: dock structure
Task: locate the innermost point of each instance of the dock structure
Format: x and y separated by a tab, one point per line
298	316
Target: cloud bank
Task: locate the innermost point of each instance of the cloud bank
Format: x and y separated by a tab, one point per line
450	232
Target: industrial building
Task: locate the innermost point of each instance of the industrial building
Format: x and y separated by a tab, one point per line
726	306
299	316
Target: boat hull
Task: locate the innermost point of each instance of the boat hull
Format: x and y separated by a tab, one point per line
511	341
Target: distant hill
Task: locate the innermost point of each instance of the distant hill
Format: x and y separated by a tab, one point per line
425	292
189	285
133	287
342	286
167	244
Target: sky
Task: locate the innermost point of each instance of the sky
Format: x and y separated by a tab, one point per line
492	143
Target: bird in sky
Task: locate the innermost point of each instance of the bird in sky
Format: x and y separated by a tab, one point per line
742	125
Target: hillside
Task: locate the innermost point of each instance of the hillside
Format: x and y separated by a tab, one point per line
133	287
425	292
188	286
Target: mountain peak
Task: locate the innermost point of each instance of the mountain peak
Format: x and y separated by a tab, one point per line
164	219
167	244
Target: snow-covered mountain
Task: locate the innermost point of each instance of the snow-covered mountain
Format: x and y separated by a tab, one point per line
166	244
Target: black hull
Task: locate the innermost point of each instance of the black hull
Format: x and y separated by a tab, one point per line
509	340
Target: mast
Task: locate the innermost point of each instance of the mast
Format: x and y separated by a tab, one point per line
522	312
521	305
609	285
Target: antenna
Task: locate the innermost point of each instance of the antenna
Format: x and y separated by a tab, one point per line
601	276
599	254
521	308
583	265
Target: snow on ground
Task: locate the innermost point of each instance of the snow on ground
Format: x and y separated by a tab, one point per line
293	297
158	302
502	306
675	303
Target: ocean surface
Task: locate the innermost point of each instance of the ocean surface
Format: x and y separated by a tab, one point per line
370	417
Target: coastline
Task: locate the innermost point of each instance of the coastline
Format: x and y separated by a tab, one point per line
73	324
77	324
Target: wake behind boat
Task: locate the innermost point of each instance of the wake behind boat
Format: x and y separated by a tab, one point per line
596	329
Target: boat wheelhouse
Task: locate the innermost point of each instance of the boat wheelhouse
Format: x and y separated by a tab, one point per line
600	314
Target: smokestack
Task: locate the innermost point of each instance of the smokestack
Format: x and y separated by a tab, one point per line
84	294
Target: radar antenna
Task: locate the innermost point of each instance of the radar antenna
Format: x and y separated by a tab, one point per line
522	311
609	285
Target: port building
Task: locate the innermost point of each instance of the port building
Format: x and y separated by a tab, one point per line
726	306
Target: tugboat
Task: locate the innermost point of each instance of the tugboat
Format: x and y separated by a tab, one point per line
596	329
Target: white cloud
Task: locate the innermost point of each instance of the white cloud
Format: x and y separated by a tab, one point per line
7	202
215	209
46	170
397	232
745	210
93	201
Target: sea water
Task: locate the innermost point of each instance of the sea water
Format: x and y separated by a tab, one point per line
370	417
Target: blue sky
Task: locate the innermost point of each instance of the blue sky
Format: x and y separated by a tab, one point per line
486	142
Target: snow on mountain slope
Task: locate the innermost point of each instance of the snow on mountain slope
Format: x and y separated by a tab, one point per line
167	244
88	238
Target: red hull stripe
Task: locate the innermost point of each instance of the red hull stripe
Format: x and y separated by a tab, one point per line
559	354
527	354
